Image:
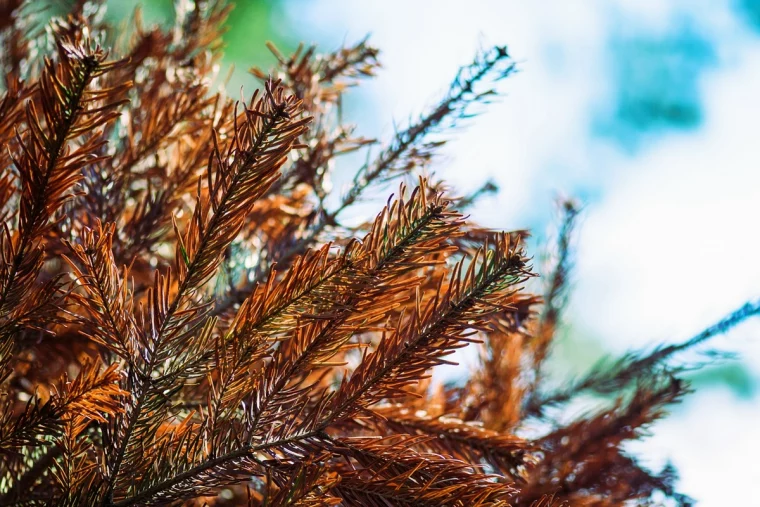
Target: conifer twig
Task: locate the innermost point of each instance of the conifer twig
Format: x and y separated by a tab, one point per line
209	348
605	379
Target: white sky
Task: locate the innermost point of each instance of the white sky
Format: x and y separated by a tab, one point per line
668	244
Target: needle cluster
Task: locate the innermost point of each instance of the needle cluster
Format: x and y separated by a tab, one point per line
185	321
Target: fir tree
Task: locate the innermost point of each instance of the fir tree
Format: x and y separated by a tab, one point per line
183	320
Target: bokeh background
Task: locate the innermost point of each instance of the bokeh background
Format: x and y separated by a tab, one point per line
647	112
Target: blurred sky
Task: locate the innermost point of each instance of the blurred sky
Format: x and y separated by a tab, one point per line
648	112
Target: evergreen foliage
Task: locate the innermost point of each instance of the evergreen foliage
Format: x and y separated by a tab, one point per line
183	321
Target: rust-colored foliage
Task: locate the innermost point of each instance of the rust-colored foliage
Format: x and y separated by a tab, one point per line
184	321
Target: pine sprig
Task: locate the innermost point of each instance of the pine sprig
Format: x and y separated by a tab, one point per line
89	397
436	329
237	175
589	441
402	238
470	442
411	148
636	366
107	296
388	473
229	340
409	145
63	109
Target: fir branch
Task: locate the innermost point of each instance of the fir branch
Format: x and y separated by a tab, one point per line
196	472
434	332
391	473
46	174
285	382
410	146
46	168
272	127
634	366
92	395
410	142
487	188
585	441
360	59
107	298
317	79
469	442
236	178
402	238
403	235
555	298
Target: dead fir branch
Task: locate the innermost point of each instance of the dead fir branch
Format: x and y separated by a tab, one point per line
184	322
